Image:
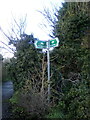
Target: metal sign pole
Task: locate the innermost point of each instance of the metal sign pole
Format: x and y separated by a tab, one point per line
48	62
47	45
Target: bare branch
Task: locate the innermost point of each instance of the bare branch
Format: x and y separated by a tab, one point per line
8	46
7	49
17	29
5	34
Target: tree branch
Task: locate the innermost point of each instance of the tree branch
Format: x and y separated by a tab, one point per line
7	46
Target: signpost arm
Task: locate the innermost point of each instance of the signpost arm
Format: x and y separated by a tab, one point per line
48	62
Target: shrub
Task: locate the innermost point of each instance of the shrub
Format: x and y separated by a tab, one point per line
34	102
29	104
73	105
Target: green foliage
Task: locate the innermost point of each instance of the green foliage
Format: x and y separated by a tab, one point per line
77	101
72	57
73	105
73	21
55	114
57	111
29	103
15	98
71	28
26	63
18	111
28	69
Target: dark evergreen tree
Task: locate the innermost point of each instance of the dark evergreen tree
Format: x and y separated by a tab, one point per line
72	61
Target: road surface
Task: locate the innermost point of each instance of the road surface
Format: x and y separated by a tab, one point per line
7	92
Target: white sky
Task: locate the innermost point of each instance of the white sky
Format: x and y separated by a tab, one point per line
21	7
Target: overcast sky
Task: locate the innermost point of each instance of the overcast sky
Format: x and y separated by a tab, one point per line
19	8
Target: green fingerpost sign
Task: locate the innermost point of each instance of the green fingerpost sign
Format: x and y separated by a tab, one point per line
40	44
43	44
54	42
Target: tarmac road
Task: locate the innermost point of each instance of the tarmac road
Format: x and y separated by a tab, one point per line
7	92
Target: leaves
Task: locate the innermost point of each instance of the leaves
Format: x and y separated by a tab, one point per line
73	57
